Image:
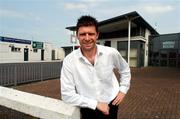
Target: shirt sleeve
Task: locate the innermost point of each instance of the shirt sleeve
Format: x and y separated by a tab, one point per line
124	70
68	89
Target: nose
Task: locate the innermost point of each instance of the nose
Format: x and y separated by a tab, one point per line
87	36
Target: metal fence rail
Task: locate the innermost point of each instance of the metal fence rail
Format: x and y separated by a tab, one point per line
18	73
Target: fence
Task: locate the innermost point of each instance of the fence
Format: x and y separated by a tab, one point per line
18	73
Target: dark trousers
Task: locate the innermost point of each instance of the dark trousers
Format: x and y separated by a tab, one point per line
87	113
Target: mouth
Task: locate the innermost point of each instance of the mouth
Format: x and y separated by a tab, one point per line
88	44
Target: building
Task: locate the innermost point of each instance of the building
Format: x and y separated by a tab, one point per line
165	50
20	50
129	34
69	49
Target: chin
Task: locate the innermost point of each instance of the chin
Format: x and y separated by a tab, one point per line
87	48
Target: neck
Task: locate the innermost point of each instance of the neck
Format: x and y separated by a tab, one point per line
90	54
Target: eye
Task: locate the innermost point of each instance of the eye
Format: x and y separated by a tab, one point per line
91	34
82	34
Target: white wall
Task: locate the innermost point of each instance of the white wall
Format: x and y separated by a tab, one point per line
59	53
47	51
35	56
114	44
6	55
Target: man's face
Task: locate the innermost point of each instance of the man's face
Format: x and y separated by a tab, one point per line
87	36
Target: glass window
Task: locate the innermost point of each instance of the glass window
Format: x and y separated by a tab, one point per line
35	50
15	49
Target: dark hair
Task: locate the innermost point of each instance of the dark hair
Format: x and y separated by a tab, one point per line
86	21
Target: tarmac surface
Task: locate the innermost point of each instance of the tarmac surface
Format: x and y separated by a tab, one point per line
154	94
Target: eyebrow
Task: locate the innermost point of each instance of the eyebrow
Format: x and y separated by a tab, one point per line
86	33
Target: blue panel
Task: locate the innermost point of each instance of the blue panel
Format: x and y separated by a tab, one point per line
14	40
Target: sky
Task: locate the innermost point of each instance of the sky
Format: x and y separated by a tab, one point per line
46	20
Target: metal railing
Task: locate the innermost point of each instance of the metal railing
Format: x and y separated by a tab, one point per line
18	73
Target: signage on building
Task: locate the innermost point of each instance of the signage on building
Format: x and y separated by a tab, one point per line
14	40
168	44
37	45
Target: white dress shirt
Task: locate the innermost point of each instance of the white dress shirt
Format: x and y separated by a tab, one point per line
84	84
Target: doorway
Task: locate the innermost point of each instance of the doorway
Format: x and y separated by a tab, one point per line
169	58
26	52
53	54
42	54
107	43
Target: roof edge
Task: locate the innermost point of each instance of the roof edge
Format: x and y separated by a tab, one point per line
129	15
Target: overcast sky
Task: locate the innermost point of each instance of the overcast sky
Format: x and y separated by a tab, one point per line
45	20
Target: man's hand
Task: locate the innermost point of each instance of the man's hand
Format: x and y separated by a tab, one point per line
120	96
103	107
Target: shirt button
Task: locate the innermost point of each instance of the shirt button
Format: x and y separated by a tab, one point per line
91	68
98	93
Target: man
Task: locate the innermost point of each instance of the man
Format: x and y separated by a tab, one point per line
87	77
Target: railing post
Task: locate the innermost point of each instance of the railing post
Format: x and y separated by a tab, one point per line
41	71
15	75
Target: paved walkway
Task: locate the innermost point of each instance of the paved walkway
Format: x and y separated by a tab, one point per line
154	94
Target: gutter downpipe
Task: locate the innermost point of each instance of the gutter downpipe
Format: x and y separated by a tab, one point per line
129	39
129	35
73	40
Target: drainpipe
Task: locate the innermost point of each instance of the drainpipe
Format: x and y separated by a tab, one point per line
74	40
129	38
129	35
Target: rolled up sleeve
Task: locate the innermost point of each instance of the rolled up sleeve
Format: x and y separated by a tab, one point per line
124	70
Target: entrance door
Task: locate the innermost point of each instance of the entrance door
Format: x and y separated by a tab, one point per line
53	54
133	57
163	58
26	52
42	54
172	59
169	58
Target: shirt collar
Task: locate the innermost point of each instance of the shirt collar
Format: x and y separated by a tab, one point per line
99	50
98	53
